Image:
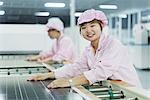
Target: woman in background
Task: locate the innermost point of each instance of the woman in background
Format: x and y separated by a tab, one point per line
62	48
105	57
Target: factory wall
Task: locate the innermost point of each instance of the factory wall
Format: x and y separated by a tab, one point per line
24	37
20	37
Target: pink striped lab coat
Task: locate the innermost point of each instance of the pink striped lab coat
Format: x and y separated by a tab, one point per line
111	61
63	49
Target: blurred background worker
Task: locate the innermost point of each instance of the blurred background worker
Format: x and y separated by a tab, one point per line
62	48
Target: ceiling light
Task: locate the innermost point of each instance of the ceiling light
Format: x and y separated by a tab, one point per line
77	14
122	15
108	6
42	14
54	4
1	3
2	12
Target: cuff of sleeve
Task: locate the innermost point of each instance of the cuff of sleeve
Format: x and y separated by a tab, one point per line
56	58
57	73
90	77
62	72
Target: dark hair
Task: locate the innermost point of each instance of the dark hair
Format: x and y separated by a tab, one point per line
53	30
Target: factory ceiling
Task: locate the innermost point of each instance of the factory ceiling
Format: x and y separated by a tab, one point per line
23	11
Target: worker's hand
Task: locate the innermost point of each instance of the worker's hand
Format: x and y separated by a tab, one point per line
33	58
67	62
50	62
59	83
44	76
44	60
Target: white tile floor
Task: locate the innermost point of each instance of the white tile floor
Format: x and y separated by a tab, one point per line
144	76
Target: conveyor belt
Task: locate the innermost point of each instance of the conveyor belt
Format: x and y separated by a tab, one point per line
9	67
14	84
33	52
106	92
18	63
7	55
17	88
23	71
21	67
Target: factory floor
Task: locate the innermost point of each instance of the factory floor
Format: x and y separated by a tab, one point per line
144	76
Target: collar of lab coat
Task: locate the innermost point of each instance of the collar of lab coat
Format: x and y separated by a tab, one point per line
100	44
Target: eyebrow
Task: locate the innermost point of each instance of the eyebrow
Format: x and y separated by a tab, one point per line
92	22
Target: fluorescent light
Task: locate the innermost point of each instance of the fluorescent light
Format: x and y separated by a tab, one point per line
1	3
77	14
42	14
108	6
2	12
123	16
54	4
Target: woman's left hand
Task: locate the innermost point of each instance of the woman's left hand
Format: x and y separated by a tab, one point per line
59	83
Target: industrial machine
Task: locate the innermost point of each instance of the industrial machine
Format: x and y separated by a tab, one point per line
9	55
14	85
112	90
140	48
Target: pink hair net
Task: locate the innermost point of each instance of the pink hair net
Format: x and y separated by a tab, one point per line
55	23
92	14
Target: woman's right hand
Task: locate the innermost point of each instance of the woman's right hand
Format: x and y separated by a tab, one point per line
41	77
33	58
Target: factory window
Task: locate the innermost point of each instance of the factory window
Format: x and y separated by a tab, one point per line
124	23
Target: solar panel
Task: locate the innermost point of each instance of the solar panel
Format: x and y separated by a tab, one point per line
18	88
14	84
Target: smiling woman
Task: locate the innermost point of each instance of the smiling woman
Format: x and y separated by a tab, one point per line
104	58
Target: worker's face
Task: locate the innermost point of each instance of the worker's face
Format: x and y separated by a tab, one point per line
91	30
53	34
